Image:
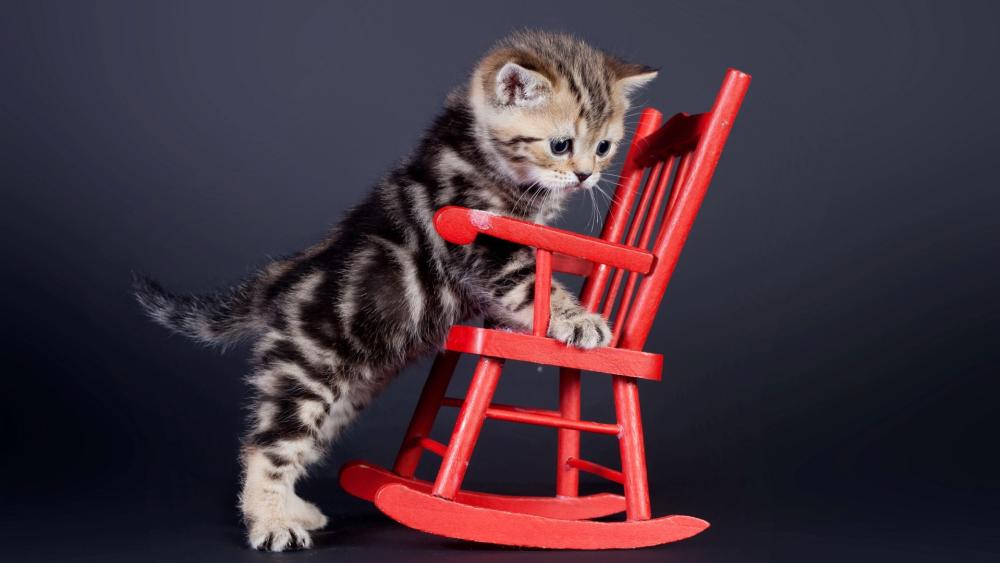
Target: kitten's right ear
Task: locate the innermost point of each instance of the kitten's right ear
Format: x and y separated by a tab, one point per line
630	77
521	87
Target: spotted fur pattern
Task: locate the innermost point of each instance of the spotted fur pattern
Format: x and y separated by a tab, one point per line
334	323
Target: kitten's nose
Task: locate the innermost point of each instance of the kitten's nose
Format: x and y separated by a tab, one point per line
582	176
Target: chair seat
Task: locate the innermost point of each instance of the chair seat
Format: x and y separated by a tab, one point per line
529	348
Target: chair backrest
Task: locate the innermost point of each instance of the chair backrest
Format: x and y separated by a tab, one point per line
665	176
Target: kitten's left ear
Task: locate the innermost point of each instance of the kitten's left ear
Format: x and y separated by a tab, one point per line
631	77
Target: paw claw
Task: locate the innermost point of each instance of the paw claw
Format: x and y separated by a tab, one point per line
279	536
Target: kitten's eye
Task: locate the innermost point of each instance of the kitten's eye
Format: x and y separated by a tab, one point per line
603	147
560	146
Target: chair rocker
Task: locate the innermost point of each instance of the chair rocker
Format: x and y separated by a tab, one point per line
685	149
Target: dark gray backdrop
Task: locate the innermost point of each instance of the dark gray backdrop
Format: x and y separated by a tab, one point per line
830	335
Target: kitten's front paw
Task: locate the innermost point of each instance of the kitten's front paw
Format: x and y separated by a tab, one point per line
586	330
278	535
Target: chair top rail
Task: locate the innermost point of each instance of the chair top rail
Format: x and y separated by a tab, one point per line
680	134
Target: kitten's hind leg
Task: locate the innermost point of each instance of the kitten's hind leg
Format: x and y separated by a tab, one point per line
298	412
266	503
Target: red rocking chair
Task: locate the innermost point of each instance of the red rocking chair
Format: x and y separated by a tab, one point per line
692	143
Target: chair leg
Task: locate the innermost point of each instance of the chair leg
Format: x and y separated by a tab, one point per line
467	427
426	412
632	448
568	478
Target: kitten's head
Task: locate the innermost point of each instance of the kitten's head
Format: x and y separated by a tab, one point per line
550	109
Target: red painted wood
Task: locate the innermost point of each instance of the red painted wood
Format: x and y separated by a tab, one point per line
432	446
681	178
539	417
659	191
632	448
458	520
596	469
460	225
641	211
621	205
423	416
530	348
568	441
363	480
678	135
571	265
467	427
543	292
674	232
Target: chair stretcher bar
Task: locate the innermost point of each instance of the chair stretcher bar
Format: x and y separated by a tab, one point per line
596	469
539	417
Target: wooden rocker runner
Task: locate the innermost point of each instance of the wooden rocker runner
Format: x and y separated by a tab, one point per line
685	149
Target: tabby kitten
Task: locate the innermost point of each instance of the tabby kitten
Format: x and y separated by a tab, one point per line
540	118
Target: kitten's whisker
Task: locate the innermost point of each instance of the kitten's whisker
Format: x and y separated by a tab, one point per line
523	193
593	210
531	203
611	199
519	198
614	177
517	203
603	193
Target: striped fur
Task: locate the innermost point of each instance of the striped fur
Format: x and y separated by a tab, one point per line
334	323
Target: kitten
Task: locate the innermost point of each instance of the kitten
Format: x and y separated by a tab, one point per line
541	117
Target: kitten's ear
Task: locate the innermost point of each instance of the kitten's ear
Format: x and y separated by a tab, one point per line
631	77
632	83
519	86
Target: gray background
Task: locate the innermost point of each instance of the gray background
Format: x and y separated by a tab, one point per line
830	335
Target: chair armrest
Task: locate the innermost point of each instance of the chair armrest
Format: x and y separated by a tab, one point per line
461	225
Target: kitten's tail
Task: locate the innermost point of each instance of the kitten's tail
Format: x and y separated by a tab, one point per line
220	318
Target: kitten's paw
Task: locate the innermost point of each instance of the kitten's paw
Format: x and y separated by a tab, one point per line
279	535
586	330
307	514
